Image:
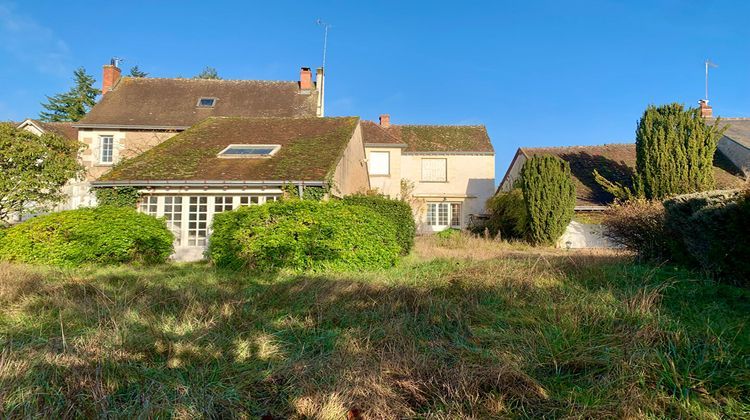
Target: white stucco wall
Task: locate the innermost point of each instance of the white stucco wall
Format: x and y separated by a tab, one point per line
584	235
390	184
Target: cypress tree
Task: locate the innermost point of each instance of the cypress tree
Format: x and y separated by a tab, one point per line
550	197
73	104
674	152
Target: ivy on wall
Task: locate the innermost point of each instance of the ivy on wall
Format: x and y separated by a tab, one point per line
117	196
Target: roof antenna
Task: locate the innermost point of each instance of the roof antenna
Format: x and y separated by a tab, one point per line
325	26
708	64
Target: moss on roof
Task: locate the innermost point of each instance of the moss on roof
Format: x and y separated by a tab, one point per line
432	138
310	150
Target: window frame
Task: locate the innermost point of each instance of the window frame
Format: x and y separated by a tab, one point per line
111	149
203	98
388	163
275	148
445	172
439	211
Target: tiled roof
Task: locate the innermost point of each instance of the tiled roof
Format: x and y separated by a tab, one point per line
432	138
64	129
616	162
310	150
373	134
154	102
738	129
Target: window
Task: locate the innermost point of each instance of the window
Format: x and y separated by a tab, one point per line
222	204
197	221
444	215
106	147
206	102
249	150
173	217
250	200
379	163
149	205
434	170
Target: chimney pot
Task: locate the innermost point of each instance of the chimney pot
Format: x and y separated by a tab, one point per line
305	79
110	75
706	110
385	120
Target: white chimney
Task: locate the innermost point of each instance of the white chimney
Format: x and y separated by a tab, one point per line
320	86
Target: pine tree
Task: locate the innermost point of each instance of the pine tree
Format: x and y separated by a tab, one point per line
208	73
74	104
550	197
136	72
674	152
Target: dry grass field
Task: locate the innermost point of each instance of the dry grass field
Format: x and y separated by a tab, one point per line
464	327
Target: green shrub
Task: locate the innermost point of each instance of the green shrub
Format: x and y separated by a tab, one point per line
508	216
713	229
102	235
550	197
639	225
399	212
304	235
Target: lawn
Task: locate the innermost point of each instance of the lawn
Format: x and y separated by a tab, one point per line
461	328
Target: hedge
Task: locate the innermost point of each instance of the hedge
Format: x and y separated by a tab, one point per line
713	229
101	235
508	215
304	235
550	196
399	212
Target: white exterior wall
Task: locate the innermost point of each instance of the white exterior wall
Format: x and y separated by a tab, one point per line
584	235
470	181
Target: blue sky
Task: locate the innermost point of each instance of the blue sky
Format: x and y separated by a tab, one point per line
546	73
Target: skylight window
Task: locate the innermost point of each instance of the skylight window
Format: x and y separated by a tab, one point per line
249	150
206	102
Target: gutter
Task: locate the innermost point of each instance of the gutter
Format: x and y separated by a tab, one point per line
183	183
132	126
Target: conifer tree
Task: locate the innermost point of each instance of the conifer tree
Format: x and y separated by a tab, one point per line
73	104
550	196
208	73
136	72
674	152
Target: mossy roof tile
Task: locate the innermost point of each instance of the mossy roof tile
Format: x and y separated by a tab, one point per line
431	138
310	150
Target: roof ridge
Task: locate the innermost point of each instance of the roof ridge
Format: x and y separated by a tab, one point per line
577	146
192	79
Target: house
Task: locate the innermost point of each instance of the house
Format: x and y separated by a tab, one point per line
616	162
446	172
735	143
222	163
136	114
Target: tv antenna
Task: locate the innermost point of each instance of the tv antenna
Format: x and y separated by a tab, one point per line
115	61
708	64
325	26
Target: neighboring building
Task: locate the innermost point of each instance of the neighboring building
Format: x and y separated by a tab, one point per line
75	189
616	162
735	144
447	173
136	114
222	163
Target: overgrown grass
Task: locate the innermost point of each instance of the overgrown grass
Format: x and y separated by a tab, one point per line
462	328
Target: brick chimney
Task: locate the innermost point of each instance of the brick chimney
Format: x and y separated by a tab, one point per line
110	76
305	79
706	110
385	120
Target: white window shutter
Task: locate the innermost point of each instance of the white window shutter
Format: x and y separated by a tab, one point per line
379	163
434	170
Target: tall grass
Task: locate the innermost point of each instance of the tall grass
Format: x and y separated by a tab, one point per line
515	333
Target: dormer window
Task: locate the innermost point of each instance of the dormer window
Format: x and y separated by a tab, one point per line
249	150
206	102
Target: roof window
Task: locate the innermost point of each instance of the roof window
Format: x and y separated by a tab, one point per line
249	150
206	102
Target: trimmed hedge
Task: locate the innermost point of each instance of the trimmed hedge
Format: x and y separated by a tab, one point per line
639	225
399	212
304	235
101	235
713	230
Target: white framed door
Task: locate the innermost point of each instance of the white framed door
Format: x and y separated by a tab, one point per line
443	215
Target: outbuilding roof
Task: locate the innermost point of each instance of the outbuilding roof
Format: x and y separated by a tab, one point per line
174	103
310	149
738	129
616	162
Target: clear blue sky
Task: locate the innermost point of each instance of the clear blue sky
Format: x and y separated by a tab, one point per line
542	73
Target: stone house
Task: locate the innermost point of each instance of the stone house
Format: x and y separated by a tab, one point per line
446	172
